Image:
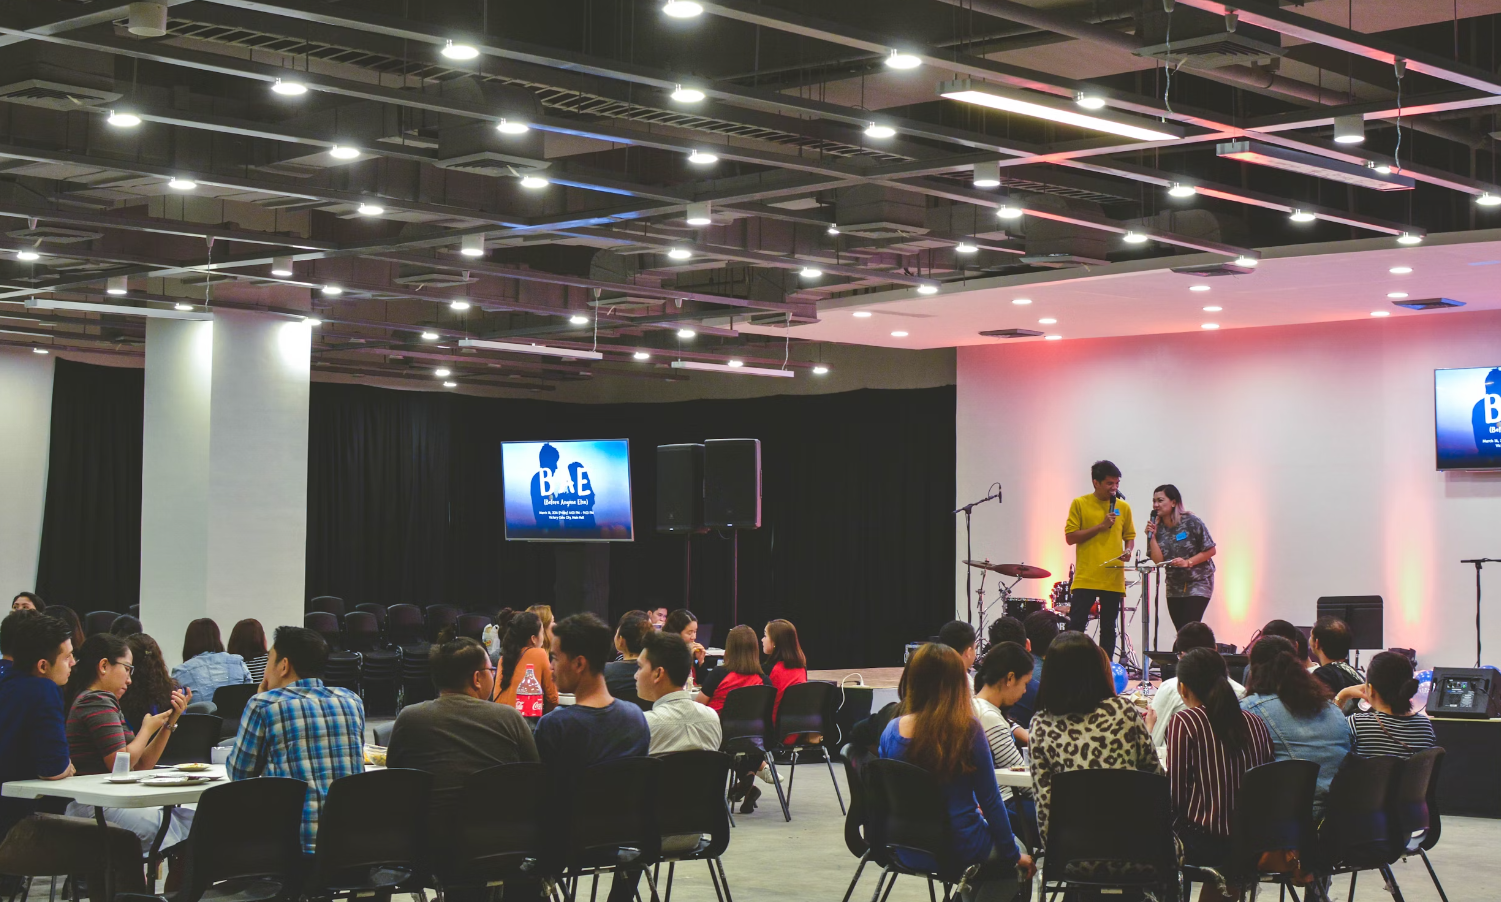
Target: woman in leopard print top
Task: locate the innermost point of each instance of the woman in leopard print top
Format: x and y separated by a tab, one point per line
1081	724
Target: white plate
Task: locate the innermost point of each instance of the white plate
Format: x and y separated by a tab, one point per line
194	767
122	778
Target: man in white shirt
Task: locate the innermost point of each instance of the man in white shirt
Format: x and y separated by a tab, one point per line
1167	701
677	722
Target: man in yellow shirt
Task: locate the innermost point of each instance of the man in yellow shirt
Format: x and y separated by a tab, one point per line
1100	525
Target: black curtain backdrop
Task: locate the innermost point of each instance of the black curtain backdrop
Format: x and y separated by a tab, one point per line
91	529
856	545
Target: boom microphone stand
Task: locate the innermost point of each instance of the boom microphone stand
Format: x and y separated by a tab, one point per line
1478	562
969	553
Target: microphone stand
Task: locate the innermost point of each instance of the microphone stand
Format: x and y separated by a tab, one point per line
1478	562
969	552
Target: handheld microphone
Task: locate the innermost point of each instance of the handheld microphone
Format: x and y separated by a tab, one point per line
1114	510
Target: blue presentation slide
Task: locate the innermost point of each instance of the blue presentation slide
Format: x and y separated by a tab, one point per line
1467	418
567	491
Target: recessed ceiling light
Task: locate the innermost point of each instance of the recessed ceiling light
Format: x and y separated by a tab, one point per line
117	285
702	158
899	334
181	184
1047	321
534	182
810	272
987	174
38	350
281	266
512	127
450	384
687	95
28	256
1198	288
899	60
1487	199
1381	313
833	230
460	306
1396	295
861	314
875	130
123	119
641	355
312	321
429	336
186	307
682	9
472	245
1400	270
1210	326
288	87
459	51
1007	211
1134	238
1349	129
1089	101
1213	309
1409	238
1246	261
370	209
442	372
332	291
1298	215
686	333
927	289
964	247
737	363
1179	189
1052	337
1021	301
680	253
344	152
820	370
579	319
698	214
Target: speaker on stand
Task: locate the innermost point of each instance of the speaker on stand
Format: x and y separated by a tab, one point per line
680	500
732	497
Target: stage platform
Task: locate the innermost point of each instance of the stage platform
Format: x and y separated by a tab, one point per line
874	677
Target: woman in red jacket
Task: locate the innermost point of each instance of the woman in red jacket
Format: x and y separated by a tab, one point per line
788	666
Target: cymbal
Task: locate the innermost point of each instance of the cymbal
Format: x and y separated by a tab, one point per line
1022	571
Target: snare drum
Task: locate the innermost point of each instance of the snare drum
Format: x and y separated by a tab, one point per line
1020	607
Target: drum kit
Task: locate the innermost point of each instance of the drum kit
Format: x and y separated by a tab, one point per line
1016	606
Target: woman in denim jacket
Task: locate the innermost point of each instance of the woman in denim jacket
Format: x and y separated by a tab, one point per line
1298	711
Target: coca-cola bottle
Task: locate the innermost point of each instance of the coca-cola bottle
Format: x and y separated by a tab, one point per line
529	695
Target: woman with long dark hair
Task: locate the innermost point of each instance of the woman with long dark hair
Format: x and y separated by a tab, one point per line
1181	538
685	624
97	732
70	617
205	664
785	654
1391	727
248	640
741	667
151	685
521	648
1210	746
935	729
1297	709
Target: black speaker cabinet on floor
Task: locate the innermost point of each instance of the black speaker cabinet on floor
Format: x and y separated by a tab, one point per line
680	488
732	483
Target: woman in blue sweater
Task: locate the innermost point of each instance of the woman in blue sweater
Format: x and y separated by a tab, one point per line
936	730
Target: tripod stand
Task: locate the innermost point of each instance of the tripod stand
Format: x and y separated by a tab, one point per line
1479	562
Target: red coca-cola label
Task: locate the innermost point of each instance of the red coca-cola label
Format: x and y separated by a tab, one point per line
529	695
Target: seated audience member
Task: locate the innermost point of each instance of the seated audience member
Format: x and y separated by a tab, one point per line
151	685
1292	634
677	722
97	732
597	727
741	667
960	636
544	613
1298	711
38	656
1391	727
685	624
1330	644
1009	629
1211	744
28	601
205	664
620	676
69	617
248	640
1081	724
1002	678
785	653
1167	701
297	727
125	626
936	730
459	733
659	616
520	648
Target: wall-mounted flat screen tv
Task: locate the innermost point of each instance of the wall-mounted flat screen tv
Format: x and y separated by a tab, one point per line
567	491
1467	418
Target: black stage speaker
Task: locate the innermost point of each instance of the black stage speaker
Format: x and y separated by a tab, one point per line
732	483
1465	692
680	488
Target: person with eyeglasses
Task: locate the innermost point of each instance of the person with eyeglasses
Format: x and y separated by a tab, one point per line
97	732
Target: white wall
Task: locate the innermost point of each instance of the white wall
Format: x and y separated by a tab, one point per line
26	412
1308	451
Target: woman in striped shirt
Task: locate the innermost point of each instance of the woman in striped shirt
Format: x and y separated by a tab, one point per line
1210	746
1391	727
248	640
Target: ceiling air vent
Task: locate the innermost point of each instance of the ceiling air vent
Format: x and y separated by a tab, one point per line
432	278
1011	333
1061	261
54	235
54	96
1429	303
1202	40
1211	270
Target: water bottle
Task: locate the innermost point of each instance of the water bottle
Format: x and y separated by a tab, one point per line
529	695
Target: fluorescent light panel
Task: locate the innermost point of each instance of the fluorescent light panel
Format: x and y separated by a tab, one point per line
1312	164
726	368
540	350
122	310
1041	106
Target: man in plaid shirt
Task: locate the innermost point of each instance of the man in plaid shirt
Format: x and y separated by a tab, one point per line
299	728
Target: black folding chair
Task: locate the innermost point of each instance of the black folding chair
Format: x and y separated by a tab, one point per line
229	704
193	740
491	843
611	824
245	844
361	631
370	834
1359	832
405	625
439	618
858	830
907	805
473	626
1273	813
378	611
380	680
745	723
328	604
99	622
1085	850
326	625
808	711
692	818
416	675
344	669
1416	811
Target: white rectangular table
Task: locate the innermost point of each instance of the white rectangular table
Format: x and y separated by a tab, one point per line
1005	776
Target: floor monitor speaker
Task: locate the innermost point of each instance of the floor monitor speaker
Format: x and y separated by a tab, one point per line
680	488
732	483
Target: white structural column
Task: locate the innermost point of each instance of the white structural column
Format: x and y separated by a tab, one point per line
174	477
224	494
26	412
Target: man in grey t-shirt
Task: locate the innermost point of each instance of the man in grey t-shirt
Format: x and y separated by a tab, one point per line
459	733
